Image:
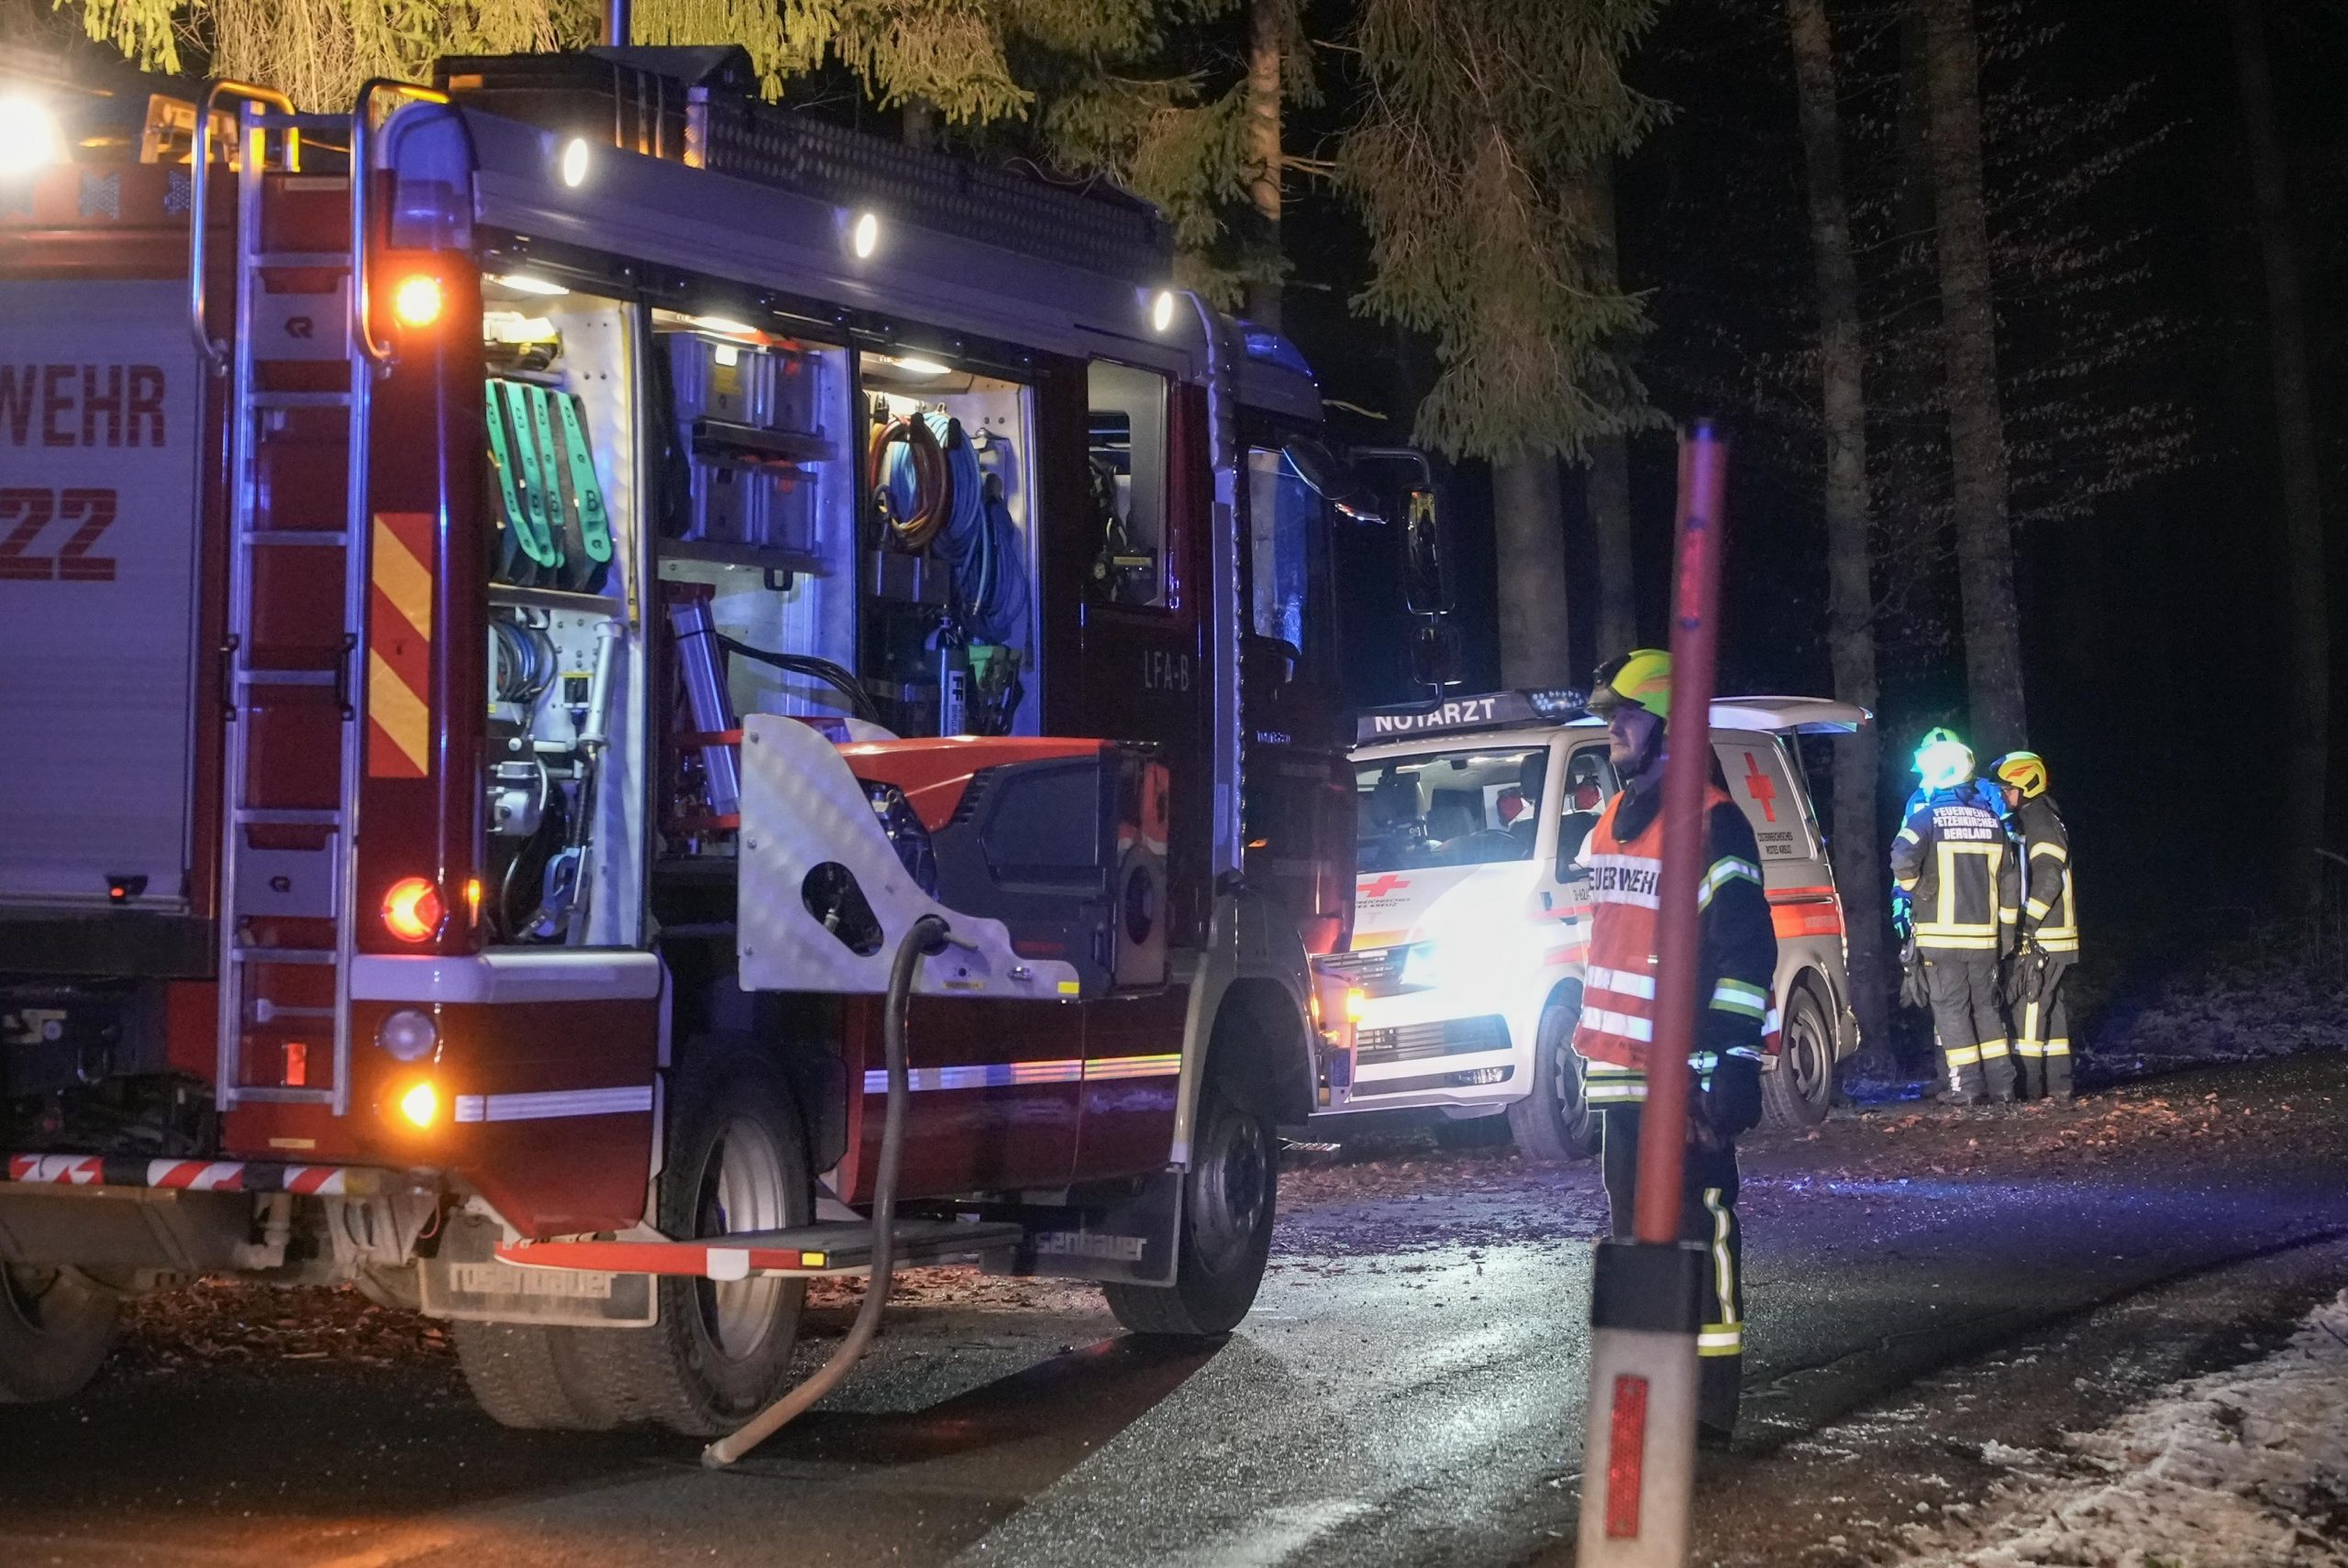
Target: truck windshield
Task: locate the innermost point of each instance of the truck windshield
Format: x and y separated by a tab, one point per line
1448	807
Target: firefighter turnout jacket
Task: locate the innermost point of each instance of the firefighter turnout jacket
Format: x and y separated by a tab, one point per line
2048	915
1736	964
1956	865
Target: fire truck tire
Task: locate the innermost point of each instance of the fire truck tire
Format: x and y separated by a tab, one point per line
1228	1199
55	1330
530	1376
1798	1089
736	1160
1554	1123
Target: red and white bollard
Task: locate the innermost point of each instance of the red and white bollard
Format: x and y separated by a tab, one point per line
1639	1459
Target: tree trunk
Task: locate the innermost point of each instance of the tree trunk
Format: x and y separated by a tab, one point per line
1608	485
1985	545
1265	32
919	123
1534	651
1858	845
2307	684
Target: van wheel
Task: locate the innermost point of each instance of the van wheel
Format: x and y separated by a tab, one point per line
1553	1121
1228	1199
1797	1091
736	1160
55	1330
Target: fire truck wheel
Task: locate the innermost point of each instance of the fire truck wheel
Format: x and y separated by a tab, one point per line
55	1329
529	1376
1227	1204
1554	1123
1798	1090
736	1160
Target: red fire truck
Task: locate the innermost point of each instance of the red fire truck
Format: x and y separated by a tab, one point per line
573	647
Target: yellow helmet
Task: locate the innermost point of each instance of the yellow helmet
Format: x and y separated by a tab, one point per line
2025	770
1943	761
1641	677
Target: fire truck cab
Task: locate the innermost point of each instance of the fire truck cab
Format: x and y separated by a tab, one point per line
538	615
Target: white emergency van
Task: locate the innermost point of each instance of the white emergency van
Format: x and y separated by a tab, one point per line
1471	919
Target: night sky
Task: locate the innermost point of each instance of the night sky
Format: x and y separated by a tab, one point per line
2153	635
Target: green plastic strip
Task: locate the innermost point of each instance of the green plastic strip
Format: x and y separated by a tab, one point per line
542	437
502	460
594	522
538	533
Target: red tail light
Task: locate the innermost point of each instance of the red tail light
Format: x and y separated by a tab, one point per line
412	911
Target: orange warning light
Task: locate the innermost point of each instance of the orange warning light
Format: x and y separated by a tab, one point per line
416	301
421	1104
412	911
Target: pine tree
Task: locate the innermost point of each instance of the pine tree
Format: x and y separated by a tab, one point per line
1480	121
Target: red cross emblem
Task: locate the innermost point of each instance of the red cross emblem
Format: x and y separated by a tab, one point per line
1757	785
1382	886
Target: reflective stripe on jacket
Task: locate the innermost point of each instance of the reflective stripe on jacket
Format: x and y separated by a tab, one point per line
2049	915
1737	947
1954	861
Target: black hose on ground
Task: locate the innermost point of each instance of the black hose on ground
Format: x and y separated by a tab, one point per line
925	934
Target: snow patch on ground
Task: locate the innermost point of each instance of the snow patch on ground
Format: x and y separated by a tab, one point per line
2241	1468
2274	996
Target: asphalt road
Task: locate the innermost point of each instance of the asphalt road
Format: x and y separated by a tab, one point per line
1408	1389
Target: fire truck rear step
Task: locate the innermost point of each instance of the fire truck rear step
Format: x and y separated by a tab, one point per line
836	1248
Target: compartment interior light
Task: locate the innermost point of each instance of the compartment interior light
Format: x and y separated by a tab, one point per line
724	323
523	284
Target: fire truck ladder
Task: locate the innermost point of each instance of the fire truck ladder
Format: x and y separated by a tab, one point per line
296	598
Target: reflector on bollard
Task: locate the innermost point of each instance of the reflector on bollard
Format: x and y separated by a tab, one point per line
1626	1442
1638	1468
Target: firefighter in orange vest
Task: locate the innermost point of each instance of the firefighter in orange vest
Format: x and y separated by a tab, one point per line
1736	967
2047	933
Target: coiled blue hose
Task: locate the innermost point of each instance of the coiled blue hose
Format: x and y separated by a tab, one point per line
979	543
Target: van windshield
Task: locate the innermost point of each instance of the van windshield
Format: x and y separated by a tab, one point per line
1448	807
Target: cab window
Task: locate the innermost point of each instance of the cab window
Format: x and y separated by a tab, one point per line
1134	560
1287	561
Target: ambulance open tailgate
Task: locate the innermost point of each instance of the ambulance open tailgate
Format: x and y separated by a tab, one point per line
101	433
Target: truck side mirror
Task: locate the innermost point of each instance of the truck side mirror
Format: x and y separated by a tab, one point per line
1435	653
1423	588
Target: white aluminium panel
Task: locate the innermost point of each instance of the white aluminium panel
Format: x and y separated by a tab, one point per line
101	408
